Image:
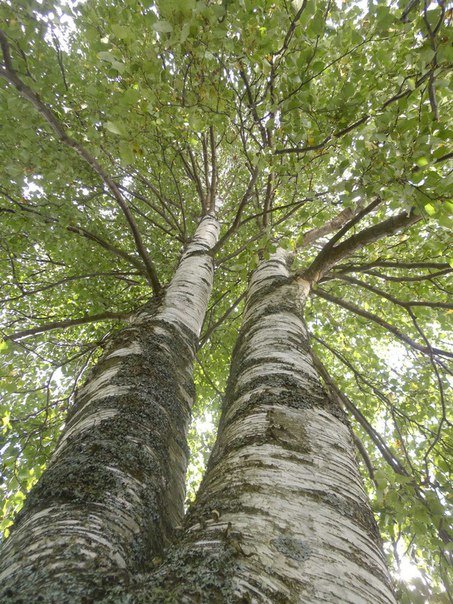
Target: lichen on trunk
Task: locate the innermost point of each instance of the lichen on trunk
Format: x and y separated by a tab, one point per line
114	489
281	515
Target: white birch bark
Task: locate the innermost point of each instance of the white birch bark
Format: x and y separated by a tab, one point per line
281	515
114	489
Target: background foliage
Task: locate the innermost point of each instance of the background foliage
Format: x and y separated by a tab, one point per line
289	114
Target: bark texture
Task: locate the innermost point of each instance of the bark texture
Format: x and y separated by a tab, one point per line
114	489
281	516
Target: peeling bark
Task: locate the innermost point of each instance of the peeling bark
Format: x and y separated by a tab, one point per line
282	515
114	488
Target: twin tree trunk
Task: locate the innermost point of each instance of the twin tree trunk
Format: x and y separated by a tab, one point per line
281	515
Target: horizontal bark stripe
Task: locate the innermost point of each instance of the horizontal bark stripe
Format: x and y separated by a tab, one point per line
114	490
287	490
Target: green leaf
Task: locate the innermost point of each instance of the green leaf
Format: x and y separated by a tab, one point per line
163	27
317	24
121	31
115	128
106	56
6	425
127	154
131	96
348	90
430	209
422	162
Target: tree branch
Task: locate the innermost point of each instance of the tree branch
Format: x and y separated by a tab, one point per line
236	222
382	323
116	274
213	186
105	316
27	93
428	276
331	255
380	443
331	225
194	175
352	222
208	333
386	453
364	267
362	120
83	232
383	294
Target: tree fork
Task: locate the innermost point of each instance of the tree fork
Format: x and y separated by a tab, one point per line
281	515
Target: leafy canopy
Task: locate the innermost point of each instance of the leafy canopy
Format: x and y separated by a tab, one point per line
123	122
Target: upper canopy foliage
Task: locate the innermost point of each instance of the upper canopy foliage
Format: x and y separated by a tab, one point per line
123	122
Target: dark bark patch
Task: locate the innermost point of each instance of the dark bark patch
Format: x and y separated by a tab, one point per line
357	511
36	588
296	549
290	394
287	432
189	574
75	480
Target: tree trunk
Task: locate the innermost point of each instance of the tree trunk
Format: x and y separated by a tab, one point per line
114	489
281	515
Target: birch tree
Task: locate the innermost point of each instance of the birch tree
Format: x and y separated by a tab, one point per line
301	151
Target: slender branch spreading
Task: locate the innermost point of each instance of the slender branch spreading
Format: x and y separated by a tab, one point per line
379	321
385	263
407	278
192	172
82	231
124	276
33	331
208	333
9	74
214	176
397	301
237	220
387	453
362	120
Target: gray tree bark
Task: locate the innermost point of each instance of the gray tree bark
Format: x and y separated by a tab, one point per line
282	515
114	489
